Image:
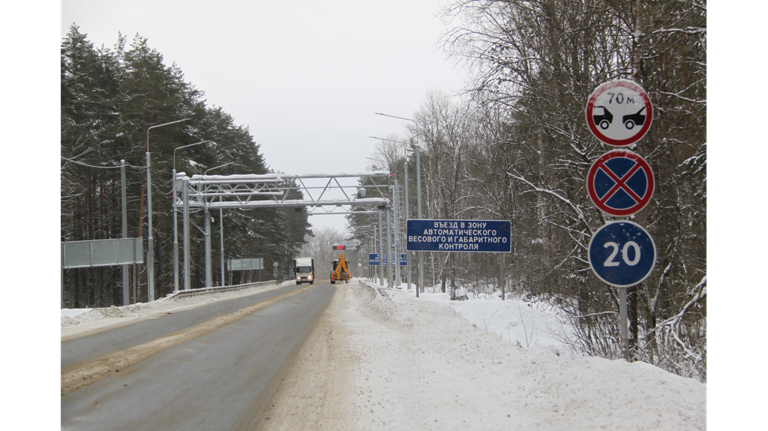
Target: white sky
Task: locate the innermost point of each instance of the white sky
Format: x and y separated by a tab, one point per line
305	77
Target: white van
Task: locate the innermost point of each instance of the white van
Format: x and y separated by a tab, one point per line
304	270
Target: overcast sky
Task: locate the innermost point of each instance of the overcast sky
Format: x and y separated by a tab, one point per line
305	77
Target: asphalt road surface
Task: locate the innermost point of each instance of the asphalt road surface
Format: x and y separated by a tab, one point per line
221	379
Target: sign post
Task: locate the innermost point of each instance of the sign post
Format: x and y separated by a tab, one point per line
620	183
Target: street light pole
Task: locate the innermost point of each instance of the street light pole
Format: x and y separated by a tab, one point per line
175	221
407	206
150	251
418	191
208	264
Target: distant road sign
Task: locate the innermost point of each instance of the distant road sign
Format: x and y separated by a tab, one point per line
373	259
459	235
622	253
619	112
620	183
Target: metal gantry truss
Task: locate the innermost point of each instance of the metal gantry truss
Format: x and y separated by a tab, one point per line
320	194
275	190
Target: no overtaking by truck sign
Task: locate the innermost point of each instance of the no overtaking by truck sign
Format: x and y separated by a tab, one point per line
619	113
459	235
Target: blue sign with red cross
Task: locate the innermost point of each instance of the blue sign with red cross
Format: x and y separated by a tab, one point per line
620	183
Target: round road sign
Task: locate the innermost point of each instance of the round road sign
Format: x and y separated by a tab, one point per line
619	112
622	253
620	183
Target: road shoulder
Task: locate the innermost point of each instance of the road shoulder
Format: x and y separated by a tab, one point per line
317	394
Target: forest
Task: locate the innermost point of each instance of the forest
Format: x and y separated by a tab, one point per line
110	99
516	146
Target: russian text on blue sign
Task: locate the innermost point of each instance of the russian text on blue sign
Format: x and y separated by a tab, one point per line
622	253
373	259
459	235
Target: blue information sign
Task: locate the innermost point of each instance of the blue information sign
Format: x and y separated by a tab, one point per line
373	259
481	236
622	253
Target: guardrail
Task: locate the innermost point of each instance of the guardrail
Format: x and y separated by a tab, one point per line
206	290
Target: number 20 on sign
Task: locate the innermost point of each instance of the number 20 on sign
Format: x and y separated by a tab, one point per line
622	253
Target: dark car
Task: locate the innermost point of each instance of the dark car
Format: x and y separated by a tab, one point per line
634	119
603	120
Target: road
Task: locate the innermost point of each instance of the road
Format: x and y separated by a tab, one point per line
209	368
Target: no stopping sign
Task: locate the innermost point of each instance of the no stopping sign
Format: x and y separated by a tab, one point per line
620	183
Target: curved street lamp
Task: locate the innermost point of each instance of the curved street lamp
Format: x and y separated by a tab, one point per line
150	251
175	221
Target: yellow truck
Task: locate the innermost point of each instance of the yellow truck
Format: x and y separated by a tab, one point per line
340	270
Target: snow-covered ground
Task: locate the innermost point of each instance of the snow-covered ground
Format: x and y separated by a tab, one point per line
523	323
481	364
506	371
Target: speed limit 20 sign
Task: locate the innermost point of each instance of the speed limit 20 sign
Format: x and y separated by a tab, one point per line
622	253
619	113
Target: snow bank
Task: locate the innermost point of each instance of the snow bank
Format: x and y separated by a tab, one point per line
520	322
436	371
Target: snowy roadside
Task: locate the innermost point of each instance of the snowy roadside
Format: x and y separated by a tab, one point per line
523	323
435	364
418	365
80	321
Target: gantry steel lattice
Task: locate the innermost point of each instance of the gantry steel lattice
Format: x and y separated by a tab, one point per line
320	194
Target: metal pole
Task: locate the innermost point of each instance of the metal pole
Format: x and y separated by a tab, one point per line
150	251
389	247
126	288
418	186
175	219
503	282
381	250
175	236
623	320
374	272
186	233
208	271
418	194
221	232
396	236
407	215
